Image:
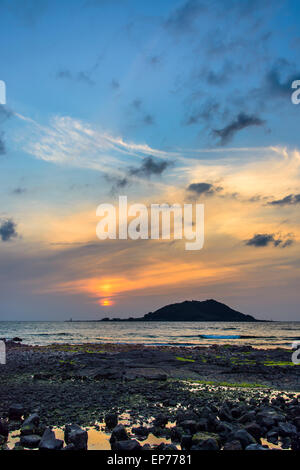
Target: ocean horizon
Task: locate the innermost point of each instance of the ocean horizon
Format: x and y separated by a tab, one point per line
260	335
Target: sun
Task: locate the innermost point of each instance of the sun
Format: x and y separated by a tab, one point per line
106	302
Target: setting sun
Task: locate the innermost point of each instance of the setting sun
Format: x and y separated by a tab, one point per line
106	302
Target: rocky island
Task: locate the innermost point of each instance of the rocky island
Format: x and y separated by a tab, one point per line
193	310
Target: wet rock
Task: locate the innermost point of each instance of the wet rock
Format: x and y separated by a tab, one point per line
74	434
225	414
233	445
30	442
111	420
49	441
128	445
286	429
16	411
272	437
146	447
27	429
119	433
69	447
141	431
161	420
176	433
255	430
32	420
189	425
186	442
208	444
244	437
255	447
16	339
202	424
286	442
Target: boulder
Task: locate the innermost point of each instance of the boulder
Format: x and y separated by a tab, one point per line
128	445
119	433
49	441
111	420
255	447
161	420
244	437
30	442
3	428
233	445
16	411
255	430
189	425
32	419
74	434
141	431
286	429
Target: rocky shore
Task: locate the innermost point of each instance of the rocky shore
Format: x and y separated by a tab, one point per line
133	397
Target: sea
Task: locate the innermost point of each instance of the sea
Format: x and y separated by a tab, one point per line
259	335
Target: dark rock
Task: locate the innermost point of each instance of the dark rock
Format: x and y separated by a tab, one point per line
16	411
286	442
286	429
119	433
233	445
111	420
27	429
146	447
202	425
69	447
74	434
33	419
16	339
30	442
128	445
255	430
141	431
255	447
161	420
186	442
208	444
49	441
189	425
225	414
176	433
272	436
3	428
244	437
247	417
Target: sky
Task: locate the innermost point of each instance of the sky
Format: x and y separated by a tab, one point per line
165	102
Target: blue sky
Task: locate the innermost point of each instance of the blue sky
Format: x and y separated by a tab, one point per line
97	87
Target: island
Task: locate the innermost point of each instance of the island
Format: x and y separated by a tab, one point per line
193	310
